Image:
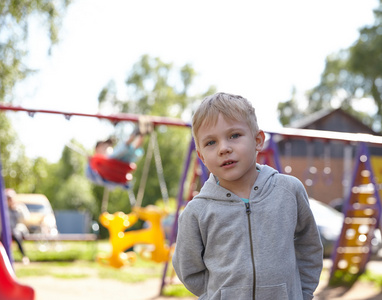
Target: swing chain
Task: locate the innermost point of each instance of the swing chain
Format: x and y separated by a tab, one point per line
145	171
159	167
153	148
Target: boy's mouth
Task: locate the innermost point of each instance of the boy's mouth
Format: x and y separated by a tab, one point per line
227	163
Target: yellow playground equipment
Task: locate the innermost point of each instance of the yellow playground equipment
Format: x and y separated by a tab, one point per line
152	237
122	240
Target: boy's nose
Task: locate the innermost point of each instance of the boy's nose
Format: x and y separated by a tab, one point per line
224	149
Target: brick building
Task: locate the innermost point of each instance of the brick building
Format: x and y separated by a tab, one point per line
326	166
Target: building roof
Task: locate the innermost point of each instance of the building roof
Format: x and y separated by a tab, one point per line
332	120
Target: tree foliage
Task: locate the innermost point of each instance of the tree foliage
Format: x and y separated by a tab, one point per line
349	75
15	165
67	187
158	88
15	16
289	111
353	74
19	172
75	194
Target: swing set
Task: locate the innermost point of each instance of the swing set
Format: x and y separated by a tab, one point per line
350	255
362	206
112	173
154	236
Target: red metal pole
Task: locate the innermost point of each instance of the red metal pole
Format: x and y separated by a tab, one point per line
156	120
113	118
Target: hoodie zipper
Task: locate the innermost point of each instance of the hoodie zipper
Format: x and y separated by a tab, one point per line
248	211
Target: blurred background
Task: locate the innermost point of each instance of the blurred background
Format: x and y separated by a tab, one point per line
299	63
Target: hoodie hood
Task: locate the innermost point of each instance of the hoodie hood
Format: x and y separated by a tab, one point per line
260	189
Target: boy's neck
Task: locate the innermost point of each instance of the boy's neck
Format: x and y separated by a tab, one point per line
241	187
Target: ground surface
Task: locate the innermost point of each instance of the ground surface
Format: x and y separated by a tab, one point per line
49	288
93	288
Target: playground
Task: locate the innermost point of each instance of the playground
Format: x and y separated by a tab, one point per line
91	286
95	288
362	210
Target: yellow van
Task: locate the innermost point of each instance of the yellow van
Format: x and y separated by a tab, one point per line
41	219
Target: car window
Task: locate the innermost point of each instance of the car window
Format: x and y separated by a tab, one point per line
38	208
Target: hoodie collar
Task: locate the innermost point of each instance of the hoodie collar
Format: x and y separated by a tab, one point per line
212	190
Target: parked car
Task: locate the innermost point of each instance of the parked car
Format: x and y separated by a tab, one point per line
329	222
41	219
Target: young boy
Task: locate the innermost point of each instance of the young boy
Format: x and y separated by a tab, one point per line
249	233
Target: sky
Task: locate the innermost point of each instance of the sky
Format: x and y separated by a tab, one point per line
257	49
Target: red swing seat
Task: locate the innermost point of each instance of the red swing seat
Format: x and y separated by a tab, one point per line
112	169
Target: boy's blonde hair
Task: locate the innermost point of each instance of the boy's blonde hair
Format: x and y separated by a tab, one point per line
232	107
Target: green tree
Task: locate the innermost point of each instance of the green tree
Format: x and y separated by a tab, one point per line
289	111
40	170
158	88
15	16
75	194
67	187
15	165
353	74
20	172
72	160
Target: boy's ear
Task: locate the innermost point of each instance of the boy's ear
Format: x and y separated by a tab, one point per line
200	156
260	138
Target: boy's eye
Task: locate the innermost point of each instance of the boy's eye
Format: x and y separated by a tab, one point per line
210	143
235	136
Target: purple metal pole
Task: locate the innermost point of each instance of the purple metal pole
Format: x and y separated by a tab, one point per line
6	237
276	155
180	203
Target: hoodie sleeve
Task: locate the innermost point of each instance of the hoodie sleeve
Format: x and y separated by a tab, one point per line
188	256
309	251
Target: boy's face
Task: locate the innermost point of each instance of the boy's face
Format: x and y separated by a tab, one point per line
228	149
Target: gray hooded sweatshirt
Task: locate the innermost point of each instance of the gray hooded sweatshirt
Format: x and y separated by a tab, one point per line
268	249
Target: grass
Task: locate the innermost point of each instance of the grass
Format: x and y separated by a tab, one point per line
345	280
58	251
176	290
372	277
73	260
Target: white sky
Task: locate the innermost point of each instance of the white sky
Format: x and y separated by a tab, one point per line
258	49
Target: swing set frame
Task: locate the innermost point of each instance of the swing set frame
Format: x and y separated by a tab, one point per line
269	155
